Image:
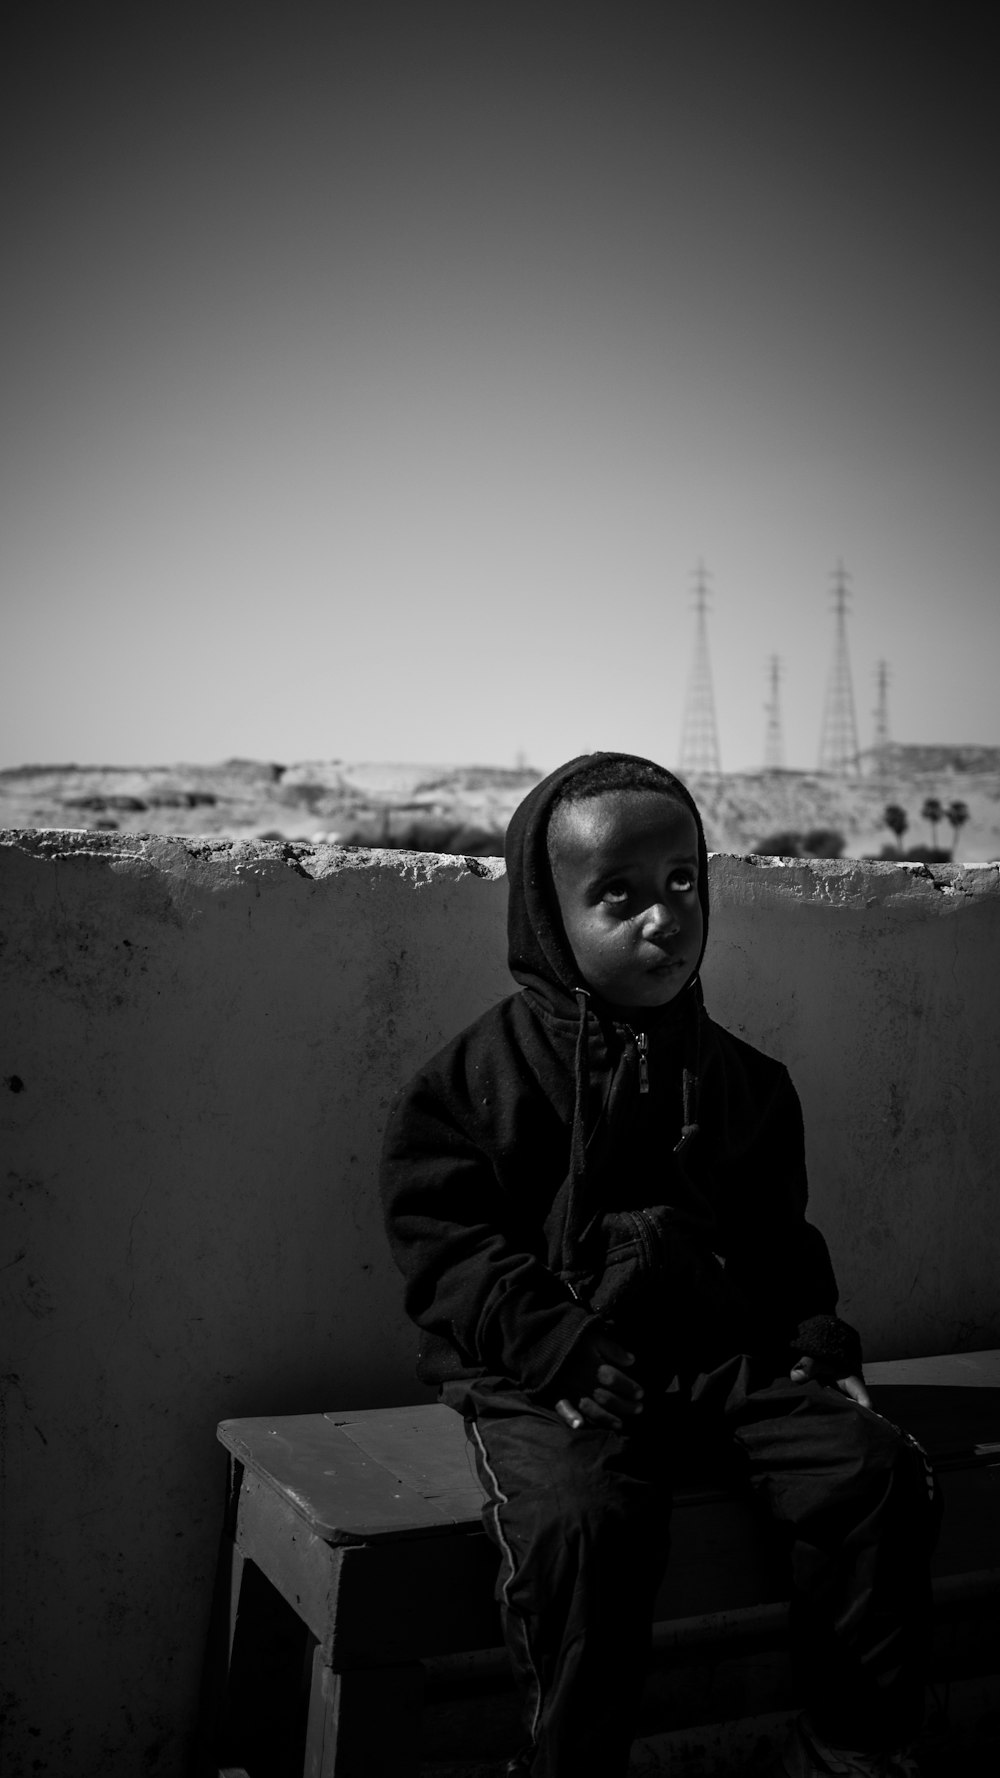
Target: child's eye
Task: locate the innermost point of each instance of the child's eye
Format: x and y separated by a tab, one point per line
615	895
682	880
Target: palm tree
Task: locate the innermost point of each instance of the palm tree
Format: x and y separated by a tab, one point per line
897	822
932	813
958	815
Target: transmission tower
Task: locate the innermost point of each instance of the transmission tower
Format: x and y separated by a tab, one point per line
774	744
838	744
699	736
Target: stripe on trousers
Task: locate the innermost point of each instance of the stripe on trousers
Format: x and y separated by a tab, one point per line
500	1499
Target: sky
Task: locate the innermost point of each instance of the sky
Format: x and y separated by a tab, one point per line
375	377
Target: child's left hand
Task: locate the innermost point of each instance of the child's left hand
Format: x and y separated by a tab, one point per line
804	1368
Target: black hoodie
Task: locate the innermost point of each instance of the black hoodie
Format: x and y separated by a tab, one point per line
529	1186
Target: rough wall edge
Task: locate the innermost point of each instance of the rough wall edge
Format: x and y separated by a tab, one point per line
239	858
857	882
831	881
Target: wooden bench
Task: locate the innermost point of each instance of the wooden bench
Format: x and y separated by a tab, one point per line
353	1557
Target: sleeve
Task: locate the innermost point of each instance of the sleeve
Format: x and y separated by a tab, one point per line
473	1277
782	1259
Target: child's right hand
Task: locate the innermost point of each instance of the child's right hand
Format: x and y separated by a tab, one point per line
598	1392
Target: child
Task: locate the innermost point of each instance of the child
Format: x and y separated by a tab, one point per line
596	1197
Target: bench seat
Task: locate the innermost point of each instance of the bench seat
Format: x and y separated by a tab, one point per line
354	1539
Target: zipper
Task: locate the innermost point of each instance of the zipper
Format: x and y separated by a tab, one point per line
641	1041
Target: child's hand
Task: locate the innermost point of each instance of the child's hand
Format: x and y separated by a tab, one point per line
804	1368
598	1391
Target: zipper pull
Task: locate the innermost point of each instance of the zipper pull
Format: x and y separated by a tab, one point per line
642	1045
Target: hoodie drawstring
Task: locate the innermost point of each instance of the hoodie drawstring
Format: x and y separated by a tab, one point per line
689	1125
577	1193
690	1070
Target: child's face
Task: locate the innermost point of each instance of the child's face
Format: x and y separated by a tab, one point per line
625	868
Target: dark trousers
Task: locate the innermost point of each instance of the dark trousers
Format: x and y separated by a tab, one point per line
581	1520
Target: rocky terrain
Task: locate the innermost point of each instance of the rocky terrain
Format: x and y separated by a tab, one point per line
466	808
741	810
427	807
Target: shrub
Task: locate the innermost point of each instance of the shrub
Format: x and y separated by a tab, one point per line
780	845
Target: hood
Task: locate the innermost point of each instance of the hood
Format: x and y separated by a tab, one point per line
538	952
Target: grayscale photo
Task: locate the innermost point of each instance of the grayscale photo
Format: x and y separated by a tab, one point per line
500	889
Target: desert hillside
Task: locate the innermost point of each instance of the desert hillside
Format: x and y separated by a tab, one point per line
466	808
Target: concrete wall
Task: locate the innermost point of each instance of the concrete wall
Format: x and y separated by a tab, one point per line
198	1046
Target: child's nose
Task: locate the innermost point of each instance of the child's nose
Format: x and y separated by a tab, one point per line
661	921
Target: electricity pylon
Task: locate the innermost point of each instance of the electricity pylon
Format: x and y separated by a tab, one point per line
699	735
774	744
838	743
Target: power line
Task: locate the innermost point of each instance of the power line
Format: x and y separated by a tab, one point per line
838	744
699	734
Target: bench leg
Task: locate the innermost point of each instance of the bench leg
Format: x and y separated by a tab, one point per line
215	1684
364	1724
254	1686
